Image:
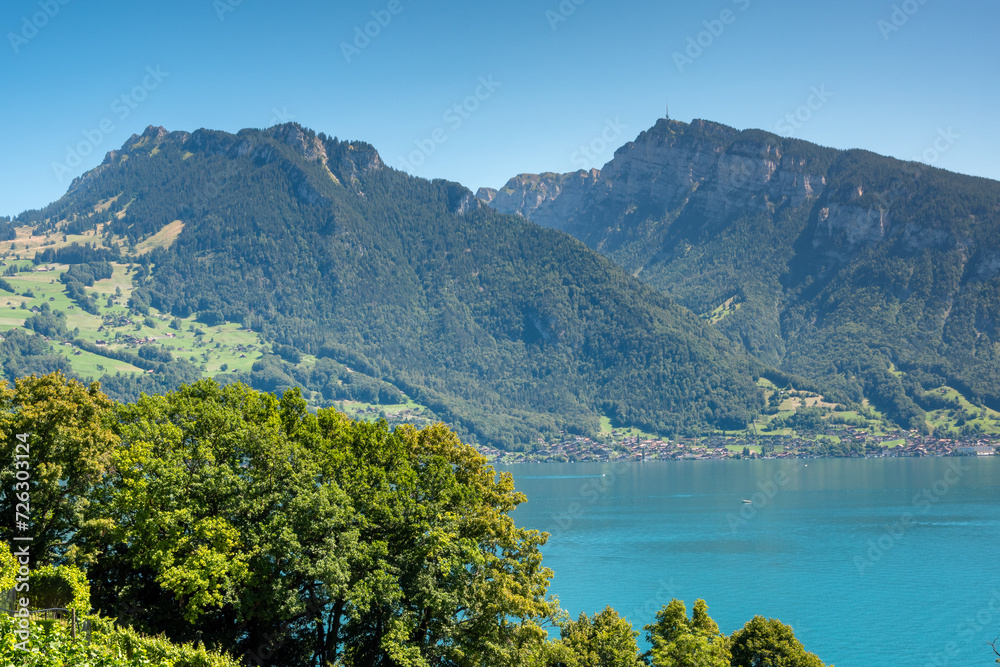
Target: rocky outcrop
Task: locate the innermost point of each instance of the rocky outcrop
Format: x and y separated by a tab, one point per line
547	199
714	167
486	195
843	228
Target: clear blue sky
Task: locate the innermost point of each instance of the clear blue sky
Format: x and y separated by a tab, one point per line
65	66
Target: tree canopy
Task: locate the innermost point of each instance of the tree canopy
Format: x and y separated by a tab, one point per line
243	523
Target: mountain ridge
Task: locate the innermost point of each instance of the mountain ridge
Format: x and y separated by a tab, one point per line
509	331
848	265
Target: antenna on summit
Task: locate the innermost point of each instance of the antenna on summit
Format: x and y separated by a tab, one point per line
666	113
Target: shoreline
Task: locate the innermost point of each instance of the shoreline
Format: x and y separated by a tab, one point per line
780	447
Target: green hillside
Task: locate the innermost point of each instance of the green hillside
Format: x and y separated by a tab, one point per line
869	277
366	284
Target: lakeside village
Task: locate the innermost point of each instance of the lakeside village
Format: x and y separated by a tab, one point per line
855	443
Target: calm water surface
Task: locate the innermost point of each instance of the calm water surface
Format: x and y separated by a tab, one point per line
872	561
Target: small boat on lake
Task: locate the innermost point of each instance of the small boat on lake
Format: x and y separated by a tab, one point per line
747	501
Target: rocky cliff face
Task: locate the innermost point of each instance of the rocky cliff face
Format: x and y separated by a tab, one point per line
844	263
714	174
664	168
548	199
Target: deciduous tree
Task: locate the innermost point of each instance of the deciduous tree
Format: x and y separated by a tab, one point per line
767	642
680	642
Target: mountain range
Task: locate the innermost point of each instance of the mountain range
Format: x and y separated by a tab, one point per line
872	277
657	292
511	332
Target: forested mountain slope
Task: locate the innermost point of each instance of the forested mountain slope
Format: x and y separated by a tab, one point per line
874	277
509	331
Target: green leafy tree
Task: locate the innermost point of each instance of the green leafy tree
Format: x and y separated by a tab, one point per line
69	444
244	521
448	577
604	640
767	642
204	517
681	642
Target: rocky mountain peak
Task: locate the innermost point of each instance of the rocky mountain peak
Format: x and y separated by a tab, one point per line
305	142
663	168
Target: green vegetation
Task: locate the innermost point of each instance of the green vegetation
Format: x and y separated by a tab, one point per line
677	640
509	332
603	639
51	645
769	642
225	521
882	286
60	586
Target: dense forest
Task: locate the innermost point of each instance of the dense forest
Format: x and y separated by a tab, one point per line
215	525
509	332
856	276
871	277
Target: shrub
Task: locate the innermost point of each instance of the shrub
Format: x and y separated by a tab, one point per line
60	586
51	645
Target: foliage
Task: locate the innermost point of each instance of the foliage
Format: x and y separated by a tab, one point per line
507	331
247	522
604	640
79	276
681	642
769	642
23	354
75	253
8	567
888	266
70	445
109	646
805	419
51	324
154	353
60	586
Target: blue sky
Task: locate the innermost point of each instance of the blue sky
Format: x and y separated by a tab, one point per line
541	85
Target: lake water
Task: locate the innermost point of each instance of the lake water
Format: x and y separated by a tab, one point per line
871	561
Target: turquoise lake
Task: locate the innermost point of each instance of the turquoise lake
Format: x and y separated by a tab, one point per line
871	561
